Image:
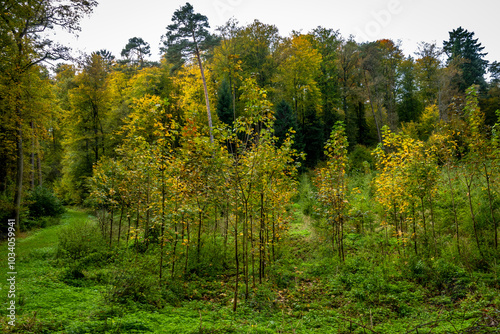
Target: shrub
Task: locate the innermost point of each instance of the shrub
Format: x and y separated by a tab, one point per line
81	242
358	157
135	282
43	202
444	277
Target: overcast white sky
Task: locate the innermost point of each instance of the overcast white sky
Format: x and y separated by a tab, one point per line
411	21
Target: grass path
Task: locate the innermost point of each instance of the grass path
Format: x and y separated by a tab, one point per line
39	292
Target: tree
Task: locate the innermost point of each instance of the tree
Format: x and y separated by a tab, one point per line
409	107
259	48
224	103
332	186
312	134
327	42
462	45
187	36
85	124
24	26
427	67
494	70
370	64
135	50
298	74
226	61
285	120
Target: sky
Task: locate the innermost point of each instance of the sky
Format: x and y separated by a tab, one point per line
113	22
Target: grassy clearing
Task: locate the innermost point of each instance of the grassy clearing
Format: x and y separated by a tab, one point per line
307	292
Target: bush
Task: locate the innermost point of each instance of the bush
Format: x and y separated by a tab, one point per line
42	203
135	282
82	242
358	157
444	277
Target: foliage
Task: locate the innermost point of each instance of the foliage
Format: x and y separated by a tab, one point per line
462	45
81	242
332	186
43	202
203	227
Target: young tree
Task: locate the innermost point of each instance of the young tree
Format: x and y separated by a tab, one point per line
332	186
225	103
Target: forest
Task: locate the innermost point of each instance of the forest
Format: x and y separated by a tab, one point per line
247	182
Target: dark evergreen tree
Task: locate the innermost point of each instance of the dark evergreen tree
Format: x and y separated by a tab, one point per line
351	127
464	48
494	70
363	132
313	136
224	104
286	120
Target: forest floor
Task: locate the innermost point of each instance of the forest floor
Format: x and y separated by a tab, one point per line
307	293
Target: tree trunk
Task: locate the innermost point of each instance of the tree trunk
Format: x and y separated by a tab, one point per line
207	102
19	174
39	163
120	224
454	207
32	156
373	109
236	259
473	216
487	175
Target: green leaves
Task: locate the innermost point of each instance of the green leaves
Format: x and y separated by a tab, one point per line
187	35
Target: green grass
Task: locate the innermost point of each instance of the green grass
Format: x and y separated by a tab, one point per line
311	292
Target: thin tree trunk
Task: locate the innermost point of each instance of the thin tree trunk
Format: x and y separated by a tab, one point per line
431	204
236	259
187	247
233	93
245	248
19	174
372	108
162	222
32	156
207	102
454	208
39	163
146	226
261	239
111	226
129	224
137	227
414	228
198	246
423	221
226	230
490	199
473	216
252	249
120	224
